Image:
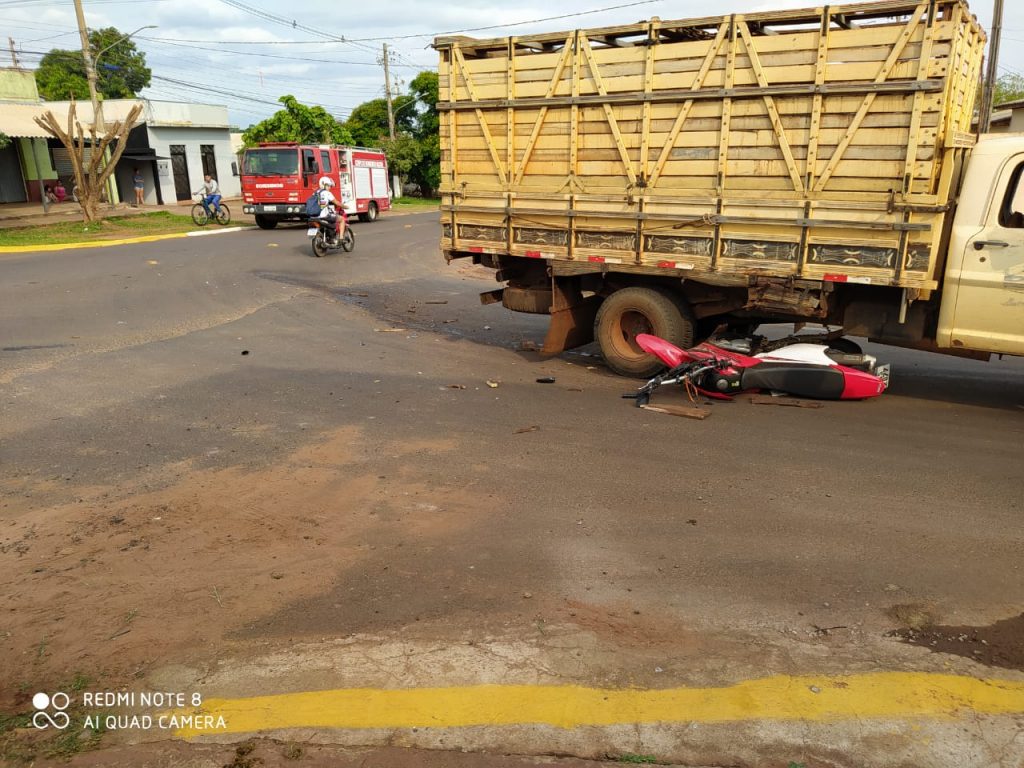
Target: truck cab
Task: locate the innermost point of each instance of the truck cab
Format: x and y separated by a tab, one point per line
982	305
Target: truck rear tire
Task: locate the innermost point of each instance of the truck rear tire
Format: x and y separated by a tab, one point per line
371	213
632	311
265	222
535	301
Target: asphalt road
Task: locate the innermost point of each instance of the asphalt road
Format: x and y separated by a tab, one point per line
215	449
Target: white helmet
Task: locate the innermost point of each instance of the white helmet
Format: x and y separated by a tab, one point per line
326	182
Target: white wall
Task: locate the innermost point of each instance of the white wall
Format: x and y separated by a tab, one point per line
186	115
161	138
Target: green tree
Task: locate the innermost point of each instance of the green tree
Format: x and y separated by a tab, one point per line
5	140
1009	87
120	73
404	153
415	152
297	122
427	172
369	121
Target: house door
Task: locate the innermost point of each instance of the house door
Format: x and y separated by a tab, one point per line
179	165
12	188
209	161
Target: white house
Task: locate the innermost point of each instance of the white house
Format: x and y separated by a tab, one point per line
172	145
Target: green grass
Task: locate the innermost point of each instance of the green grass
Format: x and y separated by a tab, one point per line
415	202
141	225
637	759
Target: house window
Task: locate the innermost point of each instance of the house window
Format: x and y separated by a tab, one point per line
209	160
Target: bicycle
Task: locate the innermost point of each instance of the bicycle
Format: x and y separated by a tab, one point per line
201	216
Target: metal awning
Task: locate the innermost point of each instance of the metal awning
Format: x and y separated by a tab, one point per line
126	155
16	121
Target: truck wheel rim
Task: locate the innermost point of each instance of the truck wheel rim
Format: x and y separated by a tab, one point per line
629	325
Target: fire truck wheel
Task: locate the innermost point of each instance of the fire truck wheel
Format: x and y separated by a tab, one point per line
371	213
263	222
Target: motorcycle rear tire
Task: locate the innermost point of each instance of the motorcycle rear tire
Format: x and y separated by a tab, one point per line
348	240
319	246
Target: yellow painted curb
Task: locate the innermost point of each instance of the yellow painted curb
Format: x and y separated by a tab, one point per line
107	243
804	698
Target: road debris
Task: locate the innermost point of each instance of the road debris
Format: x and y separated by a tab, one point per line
445	301
793	402
456	386
524	430
492	384
245	352
391	330
546	380
826	631
526	346
687	411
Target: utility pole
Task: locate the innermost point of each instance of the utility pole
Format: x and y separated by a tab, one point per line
387	88
14	54
90	69
992	71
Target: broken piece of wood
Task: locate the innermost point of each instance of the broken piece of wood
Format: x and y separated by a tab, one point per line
793	402
687	411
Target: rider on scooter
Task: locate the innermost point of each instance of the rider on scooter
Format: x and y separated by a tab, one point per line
328	208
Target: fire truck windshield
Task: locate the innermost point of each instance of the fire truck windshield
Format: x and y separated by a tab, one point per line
271	162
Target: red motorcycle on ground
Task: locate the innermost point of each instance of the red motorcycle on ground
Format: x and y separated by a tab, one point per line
802	370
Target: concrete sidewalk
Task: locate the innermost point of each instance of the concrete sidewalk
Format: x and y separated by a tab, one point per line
31	214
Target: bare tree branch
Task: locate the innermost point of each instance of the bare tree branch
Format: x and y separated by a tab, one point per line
91	175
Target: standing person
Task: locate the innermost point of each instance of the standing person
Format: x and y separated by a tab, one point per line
59	191
140	186
211	195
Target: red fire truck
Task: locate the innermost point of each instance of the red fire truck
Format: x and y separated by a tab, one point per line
278	177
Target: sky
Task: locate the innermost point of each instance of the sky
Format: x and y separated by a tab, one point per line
247	53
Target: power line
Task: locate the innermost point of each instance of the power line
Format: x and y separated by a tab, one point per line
512	24
353	40
168	41
266	15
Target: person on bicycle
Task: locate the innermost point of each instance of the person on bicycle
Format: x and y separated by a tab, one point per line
329	207
211	195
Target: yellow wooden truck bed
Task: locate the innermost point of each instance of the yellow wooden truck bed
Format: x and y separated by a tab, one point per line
821	144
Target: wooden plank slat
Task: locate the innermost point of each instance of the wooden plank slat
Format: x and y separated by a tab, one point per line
595	76
470	89
908	30
821	59
769	102
698	83
552	86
